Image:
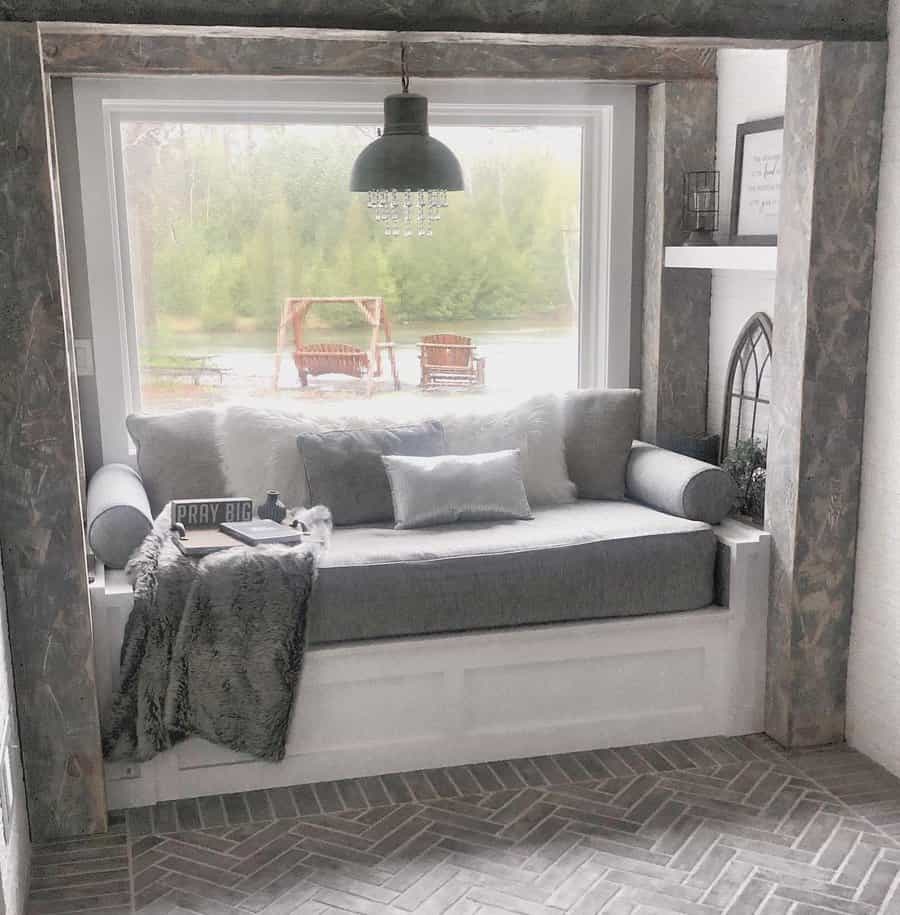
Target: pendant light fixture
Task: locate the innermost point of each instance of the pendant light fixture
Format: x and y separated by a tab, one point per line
406	172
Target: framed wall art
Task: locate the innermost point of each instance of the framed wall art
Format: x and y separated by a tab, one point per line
757	182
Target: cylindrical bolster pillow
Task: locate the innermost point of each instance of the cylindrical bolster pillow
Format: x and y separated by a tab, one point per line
678	485
118	514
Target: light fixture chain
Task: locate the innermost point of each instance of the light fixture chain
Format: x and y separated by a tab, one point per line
404	72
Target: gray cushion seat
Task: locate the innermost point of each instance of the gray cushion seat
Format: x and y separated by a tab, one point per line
584	561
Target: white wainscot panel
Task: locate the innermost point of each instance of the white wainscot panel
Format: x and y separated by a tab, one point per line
545	694
344	715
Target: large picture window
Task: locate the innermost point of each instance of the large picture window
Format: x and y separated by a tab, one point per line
212	215
227	221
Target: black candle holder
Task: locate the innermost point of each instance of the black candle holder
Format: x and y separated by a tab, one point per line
700	207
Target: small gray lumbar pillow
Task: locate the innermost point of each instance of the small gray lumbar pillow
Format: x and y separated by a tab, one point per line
457	487
344	469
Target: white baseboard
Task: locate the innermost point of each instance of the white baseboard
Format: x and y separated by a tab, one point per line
396	705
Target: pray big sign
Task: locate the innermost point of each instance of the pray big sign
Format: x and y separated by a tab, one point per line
210	512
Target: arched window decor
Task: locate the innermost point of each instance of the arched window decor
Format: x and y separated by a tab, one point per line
748	386
745	418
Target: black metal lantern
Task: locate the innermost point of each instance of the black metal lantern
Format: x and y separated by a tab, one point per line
700	206
406	172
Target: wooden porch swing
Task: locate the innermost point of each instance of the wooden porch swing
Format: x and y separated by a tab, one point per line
338	358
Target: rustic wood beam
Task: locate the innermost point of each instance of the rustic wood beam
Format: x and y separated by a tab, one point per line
300	52
414	37
769	19
41	530
674	353
823	290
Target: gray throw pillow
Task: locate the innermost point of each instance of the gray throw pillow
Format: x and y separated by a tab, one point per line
679	485
118	514
457	487
177	456
600	427
344	469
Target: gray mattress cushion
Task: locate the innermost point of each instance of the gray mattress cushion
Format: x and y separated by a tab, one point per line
583	561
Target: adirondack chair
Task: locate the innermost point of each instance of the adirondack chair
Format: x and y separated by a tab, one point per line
338	358
449	361
332	359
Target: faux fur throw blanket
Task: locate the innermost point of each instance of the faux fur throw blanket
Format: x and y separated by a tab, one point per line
212	647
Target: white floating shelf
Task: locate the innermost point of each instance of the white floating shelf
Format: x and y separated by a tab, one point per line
724	257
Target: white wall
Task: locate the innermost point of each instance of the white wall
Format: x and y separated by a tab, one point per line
15	853
873	700
751	87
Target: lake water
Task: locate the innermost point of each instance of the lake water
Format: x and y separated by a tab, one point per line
519	358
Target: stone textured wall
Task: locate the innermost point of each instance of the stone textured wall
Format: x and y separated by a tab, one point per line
873	685
681	137
40	507
832	145
773	19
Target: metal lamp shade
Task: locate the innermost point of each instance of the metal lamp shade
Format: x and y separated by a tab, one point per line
405	157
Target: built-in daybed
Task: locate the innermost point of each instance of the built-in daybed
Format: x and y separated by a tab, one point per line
600	622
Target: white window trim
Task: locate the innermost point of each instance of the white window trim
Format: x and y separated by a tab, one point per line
605	111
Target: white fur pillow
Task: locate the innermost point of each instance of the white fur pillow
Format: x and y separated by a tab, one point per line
535	427
258	448
258	444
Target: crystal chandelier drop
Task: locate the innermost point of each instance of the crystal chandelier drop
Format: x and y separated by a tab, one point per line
405	172
408	212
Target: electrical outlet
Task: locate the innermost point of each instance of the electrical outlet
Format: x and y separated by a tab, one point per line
84	357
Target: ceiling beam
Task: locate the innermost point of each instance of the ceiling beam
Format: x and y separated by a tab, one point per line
804	20
73	50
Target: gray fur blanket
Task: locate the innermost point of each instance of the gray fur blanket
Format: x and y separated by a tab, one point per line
212	647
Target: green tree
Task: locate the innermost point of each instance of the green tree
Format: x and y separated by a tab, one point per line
234	219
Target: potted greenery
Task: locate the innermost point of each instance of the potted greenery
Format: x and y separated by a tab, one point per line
747	465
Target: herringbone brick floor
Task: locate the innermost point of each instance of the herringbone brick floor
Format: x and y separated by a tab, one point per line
697	827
